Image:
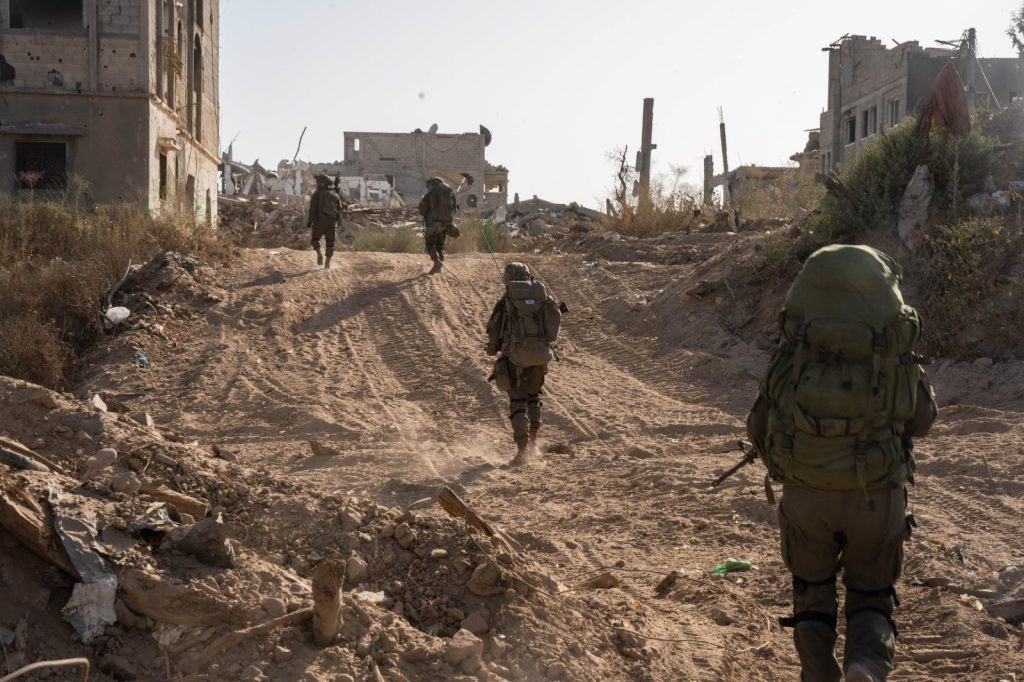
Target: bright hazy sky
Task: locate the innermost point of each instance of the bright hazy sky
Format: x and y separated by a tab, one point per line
559	83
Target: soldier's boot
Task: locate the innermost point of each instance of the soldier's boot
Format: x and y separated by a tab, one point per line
319	257
858	672
327	263
520	431
870	634
522	453
437	267
533	438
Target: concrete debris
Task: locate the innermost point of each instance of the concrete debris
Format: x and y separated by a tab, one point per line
917	198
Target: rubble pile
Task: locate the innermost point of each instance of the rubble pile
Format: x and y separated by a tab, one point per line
152	549
527	223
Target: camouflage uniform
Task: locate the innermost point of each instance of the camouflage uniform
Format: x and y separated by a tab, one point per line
438	209
322	224
527	383
859	531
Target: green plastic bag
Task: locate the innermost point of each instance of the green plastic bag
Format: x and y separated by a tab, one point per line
731	566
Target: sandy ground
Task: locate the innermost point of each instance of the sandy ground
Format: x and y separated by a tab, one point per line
386	365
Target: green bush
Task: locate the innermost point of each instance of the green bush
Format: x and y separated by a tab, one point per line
876	179
391	241
478	235
971	307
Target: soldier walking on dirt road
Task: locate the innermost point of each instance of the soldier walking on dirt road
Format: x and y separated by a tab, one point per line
324	213
843	396
438	210
522	327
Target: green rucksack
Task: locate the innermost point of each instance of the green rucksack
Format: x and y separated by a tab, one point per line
844	378
532	324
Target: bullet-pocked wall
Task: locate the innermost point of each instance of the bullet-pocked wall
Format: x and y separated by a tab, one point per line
127	88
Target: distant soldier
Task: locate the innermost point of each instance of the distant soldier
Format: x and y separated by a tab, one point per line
324	212
838	408
523	326
438	210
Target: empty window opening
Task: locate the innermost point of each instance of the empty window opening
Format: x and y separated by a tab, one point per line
190	192
197	86
864	124
872	120
894	112
851	129
199	13
163	177
41	165
390	179
50	15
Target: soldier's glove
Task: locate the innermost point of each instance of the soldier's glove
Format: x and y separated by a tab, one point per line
454	232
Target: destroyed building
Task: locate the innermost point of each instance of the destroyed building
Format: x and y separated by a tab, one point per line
872	87
121	94
406	160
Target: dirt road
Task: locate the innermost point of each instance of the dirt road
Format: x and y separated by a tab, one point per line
386	365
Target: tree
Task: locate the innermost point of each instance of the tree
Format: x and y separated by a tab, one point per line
1016	30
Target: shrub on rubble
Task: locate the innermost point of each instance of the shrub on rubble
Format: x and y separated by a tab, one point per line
57	260
390	241
877	178
974	296
478	236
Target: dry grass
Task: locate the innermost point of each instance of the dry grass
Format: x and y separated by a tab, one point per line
57	261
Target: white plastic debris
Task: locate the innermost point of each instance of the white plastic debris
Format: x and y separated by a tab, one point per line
117	314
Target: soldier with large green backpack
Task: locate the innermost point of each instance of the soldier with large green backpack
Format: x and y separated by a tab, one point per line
843	396
522	327
438	208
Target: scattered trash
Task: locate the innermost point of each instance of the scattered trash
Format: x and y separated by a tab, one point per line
731	565
590	264
117	314
141	360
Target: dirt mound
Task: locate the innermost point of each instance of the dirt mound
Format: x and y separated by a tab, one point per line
199	545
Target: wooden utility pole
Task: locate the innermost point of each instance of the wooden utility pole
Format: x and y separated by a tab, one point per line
644	167
972	69
725	159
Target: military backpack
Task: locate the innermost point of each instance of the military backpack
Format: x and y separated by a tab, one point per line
528	327
330	204
843	380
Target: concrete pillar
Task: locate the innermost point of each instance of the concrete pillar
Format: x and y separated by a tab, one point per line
709	172
93	17
835	101
645	152
972	70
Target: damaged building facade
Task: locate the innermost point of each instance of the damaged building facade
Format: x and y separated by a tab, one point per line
872	87
406	160
122	94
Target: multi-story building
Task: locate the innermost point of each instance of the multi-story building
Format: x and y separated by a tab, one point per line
407	160
872	87
115	98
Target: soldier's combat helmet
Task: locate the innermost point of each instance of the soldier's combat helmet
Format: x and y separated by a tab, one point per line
322	179
436	180
516	272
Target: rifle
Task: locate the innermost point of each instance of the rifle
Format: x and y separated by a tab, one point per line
749	457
